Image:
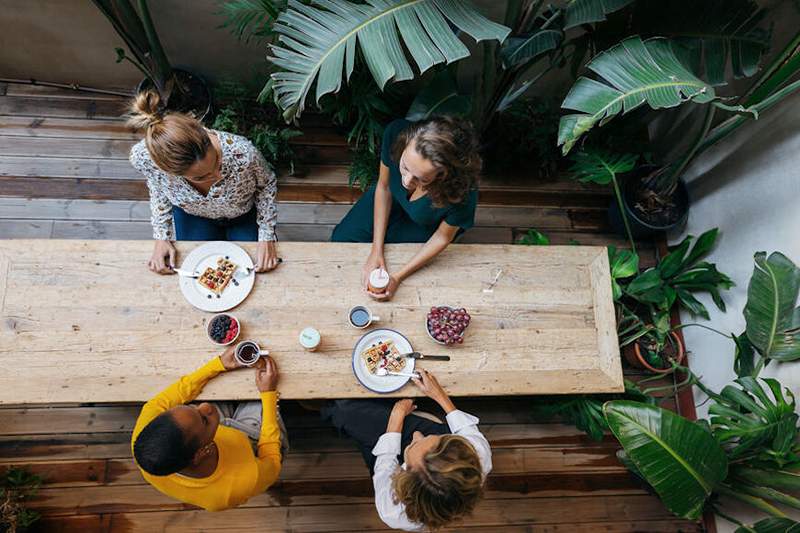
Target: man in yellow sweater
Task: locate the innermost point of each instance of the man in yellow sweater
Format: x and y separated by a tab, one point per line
184	451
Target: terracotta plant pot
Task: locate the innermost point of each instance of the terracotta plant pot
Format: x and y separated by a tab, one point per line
633	354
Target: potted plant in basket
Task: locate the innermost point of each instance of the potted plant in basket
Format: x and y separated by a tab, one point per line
178	89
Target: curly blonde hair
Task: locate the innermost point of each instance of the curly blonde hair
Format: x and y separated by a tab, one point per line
175	141
450	144
447	488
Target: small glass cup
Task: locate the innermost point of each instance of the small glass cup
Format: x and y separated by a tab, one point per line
310	339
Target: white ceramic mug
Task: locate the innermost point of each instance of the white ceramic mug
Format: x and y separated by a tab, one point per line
258	354
361	312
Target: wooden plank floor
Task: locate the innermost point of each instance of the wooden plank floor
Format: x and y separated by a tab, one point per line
64	174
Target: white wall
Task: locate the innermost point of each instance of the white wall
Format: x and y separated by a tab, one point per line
749	187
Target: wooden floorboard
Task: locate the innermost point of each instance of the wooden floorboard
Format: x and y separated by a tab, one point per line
64	174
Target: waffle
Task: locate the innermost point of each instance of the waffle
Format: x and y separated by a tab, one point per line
383	354
216	279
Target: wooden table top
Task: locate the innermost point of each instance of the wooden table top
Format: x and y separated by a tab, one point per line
85	321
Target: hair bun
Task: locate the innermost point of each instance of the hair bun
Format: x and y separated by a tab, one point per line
145	110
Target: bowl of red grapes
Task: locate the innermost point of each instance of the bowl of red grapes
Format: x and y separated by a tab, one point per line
223	329
446	325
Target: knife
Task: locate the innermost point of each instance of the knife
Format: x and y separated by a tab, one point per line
417	355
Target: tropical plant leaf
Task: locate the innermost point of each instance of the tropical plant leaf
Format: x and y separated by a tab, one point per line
249	19
624	264
773	322
319	42
678	458
517	51
636	72
439	97
774	478
578	12
772	525
600	166
719	33
744	358
534	238
754	424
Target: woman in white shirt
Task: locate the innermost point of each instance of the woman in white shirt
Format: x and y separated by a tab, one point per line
444	466
204	184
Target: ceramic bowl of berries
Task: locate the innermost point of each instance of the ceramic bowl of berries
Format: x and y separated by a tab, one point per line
223	329
447	325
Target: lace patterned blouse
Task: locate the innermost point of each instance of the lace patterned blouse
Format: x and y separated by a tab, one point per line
246	179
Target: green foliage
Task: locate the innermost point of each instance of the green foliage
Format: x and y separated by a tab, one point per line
772	313
250	19
439	97
592	165
363	109
772	525
534	238
754	425
532	125
681	273
580	12
363	170
16	486
624	264
638	72
239	113
319	43
681	461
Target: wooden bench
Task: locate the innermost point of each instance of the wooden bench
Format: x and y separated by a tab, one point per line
547	477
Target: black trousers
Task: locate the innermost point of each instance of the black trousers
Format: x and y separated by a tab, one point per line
365	421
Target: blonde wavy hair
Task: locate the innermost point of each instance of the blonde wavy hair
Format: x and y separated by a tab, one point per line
175	141
449	486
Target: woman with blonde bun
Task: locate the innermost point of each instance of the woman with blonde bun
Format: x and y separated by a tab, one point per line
204	184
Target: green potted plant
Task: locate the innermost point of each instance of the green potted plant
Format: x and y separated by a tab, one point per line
16	486
179	90
653	345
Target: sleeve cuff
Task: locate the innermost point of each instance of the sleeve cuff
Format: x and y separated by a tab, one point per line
458	420
216	365
388	444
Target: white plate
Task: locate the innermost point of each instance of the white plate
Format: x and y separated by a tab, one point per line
206	255
381	384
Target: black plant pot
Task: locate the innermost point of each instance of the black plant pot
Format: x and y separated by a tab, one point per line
641	228
196	97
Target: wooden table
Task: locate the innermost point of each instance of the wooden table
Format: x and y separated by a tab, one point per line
85	321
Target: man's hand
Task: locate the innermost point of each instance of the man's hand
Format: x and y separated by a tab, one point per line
430	386
266	374
401	409
266	256
228	359
163	259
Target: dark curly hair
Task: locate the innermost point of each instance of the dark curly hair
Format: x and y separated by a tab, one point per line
451	144
162	449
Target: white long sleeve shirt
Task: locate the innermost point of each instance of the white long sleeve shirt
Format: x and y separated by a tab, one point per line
247	179
388	448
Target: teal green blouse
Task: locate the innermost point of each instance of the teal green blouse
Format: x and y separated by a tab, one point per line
422	210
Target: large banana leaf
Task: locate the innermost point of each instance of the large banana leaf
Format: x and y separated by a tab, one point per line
517	51
772	525
773	321
636	72
682	461
752	423
578	12
319	42
718	33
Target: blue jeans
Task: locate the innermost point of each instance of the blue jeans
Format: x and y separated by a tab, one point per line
193	228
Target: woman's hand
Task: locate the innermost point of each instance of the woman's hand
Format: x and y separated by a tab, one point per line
163	259
401	409
266	375
228	359
387	294
375	260
430	386
266	256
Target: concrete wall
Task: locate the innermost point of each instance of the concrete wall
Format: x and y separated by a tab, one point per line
71	41
749	187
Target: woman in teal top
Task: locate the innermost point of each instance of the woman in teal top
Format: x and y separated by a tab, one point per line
427	192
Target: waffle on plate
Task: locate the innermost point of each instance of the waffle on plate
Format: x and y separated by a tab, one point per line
383	354
216	279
